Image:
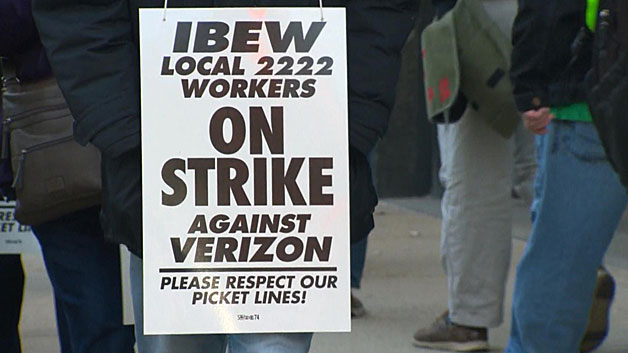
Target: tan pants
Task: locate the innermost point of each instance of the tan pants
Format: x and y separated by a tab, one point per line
476	165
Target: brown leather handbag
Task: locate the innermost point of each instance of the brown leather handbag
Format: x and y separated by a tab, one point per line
53	174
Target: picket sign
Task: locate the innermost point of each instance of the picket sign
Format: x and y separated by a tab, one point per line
15	238
245	178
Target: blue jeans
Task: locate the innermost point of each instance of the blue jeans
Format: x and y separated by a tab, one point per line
358	258
539	145
580	206
358	249
242	343
85	274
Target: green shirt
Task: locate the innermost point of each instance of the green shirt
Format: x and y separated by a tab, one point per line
579	111
573	112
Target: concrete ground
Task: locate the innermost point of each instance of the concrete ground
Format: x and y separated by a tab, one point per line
403	288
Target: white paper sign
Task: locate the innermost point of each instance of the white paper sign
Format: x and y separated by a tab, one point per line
245	170
15	238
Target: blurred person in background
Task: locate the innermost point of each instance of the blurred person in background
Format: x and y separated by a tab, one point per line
482	168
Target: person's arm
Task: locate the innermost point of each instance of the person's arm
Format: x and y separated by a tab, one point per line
95	60
541	37
377	31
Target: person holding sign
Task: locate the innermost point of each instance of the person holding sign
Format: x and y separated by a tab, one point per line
94	50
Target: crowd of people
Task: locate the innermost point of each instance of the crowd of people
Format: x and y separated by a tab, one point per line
92	49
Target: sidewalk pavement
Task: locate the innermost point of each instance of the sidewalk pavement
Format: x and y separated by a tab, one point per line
403	288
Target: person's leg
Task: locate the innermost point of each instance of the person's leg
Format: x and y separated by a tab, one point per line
581	205
475	235
85	274
12	277
166	343
358	255
63	329
524	164
363	197
539	143
477	219
270	343
358	258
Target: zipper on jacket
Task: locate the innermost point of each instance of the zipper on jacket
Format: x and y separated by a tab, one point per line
17	180
603	33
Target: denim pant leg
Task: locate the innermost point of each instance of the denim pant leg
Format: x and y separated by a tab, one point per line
12	278
580	207
166	343
358	249
539	143
358	259
85	274
270	343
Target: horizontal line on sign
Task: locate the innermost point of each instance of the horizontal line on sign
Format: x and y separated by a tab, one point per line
250	269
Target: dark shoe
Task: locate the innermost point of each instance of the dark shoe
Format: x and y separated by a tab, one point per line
597	329
357	308
446	335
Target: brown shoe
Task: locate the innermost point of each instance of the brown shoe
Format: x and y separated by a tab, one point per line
357	308
597	328
446	335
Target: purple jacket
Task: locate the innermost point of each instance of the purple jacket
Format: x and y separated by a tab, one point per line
19	40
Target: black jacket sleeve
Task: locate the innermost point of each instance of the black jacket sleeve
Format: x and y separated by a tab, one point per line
91	49
542	35
376	33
